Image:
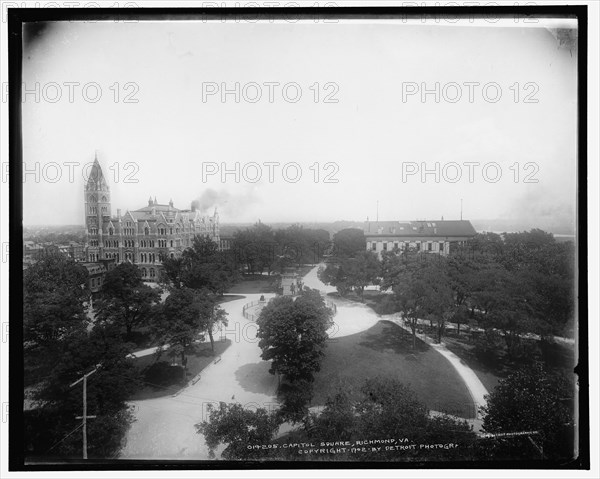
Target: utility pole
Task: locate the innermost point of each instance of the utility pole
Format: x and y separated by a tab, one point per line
85	417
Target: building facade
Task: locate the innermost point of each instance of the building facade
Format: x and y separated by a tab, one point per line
422	236
145	236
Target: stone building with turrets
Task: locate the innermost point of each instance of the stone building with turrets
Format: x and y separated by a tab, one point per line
145	236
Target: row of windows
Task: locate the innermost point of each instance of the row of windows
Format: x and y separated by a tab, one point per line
148	273
97	281
143	243
147	258
129	256
93	199
406	246
131	231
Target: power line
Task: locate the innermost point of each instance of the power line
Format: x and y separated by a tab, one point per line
73	431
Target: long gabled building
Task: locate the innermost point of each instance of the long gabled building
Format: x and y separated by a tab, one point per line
145	236
424	236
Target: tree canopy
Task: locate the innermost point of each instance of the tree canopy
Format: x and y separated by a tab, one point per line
125	300
293	333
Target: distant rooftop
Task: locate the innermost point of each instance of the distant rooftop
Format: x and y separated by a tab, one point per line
420	228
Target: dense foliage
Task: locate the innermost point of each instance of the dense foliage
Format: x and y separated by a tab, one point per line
293	333
56	327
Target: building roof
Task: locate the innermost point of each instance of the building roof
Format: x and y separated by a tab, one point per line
441	228
157	208
94	268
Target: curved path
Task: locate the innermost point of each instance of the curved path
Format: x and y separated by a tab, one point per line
355	317
351	317
476	388
165	427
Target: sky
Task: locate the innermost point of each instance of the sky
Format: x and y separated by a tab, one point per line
161	127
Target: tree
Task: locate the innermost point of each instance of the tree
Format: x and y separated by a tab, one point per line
54	293
186	315
532	399
201	266
293	333
256	248
56	404
352	273
125	300
349	242
385	409
239	428
419	290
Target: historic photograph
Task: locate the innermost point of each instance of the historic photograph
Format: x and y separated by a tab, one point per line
295	238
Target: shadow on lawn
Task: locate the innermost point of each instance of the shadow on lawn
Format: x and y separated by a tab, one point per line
393	338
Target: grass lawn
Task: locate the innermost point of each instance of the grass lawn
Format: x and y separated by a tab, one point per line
232	297
254	285
555	356
460	346
385	350
161	379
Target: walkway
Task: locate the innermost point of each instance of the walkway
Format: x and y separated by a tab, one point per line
165	427
355	317
351	317
476	388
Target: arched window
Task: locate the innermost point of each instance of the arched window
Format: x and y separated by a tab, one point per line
152	273
146	231
93	283
111	231
92	199
104	200
144	273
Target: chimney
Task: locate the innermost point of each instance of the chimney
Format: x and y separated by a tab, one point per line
193	206
119	213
